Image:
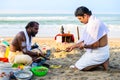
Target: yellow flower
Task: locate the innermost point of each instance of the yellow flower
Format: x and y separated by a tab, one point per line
21	67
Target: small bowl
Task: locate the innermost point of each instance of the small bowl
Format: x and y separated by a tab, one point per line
23	75
39	71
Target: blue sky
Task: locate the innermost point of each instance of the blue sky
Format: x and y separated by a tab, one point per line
58	6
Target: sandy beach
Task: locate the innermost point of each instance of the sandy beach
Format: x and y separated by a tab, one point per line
66	59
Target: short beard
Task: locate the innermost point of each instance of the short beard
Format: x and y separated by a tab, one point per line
33	34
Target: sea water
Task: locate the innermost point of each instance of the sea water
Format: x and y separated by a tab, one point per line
50	24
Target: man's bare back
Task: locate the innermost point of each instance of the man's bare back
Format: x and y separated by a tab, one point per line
16	43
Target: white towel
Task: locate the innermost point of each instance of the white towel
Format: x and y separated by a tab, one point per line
28	42
93	31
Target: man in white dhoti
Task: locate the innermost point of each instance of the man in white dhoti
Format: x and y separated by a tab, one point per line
20	48
94	39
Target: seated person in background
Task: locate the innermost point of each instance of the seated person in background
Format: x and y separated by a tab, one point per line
20	48
94	39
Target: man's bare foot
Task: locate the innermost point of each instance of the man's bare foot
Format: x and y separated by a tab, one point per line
105	64
73	67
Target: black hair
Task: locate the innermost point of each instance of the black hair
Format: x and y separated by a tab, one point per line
80	11
31	24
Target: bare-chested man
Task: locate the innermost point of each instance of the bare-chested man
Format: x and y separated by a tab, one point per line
20	48
94	39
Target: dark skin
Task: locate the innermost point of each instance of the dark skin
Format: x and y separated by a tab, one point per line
100	43
19	41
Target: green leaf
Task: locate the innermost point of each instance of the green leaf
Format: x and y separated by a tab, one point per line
15	65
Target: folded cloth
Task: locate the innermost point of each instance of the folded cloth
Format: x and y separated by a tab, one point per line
28	41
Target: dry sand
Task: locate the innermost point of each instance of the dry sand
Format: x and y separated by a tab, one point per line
66	59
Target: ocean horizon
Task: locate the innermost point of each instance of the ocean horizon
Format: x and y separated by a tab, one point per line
50	24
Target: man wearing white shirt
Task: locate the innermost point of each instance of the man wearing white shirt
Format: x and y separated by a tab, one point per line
94	39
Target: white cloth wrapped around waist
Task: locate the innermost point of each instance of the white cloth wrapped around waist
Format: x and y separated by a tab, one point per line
19	57
93	57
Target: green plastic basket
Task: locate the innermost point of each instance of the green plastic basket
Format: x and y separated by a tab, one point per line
39	71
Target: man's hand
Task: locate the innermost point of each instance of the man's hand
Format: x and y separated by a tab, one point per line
68	49
81	45
42	55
